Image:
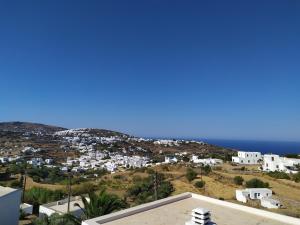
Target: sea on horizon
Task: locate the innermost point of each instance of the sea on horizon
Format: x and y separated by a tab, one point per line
275	147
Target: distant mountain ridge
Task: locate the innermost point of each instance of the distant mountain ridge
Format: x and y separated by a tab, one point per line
23	127
28	127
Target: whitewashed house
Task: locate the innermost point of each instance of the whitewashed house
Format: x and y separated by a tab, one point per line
36	162
207	161
270	203
3	159
247	158
262	194
276	163
252	193
111	167
49	161
171	159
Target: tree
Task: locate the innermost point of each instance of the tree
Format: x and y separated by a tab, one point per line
238	180
256	183
200	184
206	169
101	204
144	188
190	174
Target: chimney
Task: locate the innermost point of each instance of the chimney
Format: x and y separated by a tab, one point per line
200	216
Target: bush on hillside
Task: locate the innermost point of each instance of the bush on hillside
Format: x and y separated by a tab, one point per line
256	183
296	177
200	184
279	175
238	180
190	174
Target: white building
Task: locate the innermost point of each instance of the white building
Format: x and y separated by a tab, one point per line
9	205
270	203
49	161
252	193
276	163
61	207
3	159
262	194
171	159
207	161
111	167
247	158
36	162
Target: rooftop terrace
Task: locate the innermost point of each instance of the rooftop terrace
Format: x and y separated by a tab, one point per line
6	190
177	210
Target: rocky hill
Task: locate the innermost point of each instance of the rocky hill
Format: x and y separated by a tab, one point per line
15	136
25	127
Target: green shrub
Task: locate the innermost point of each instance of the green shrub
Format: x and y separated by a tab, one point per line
143	190
190	174
279	175
238	180
206	170
256	183
117	177
200	184
296	177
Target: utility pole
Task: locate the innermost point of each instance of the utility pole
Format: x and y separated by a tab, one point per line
69	183
24	186
69	190
155	185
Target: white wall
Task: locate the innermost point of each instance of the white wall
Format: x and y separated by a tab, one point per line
241	196
26	208
10	208
45	211
247	158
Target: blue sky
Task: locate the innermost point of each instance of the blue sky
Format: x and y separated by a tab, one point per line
205	69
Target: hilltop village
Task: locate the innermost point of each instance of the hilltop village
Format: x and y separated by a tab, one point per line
63	164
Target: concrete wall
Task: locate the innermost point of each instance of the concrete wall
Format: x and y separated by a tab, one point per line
26	208
10	208
240	196
45	211
136	209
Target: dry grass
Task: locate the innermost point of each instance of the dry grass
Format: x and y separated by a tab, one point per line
219	184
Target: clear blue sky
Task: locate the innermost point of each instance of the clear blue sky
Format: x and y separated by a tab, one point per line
216	69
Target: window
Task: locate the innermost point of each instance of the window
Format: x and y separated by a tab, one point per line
248	161
272	158
277	166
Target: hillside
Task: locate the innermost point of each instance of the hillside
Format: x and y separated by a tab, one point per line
53	141
26	127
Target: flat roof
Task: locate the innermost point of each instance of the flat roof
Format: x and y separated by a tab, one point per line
6	190
177	210
62	205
